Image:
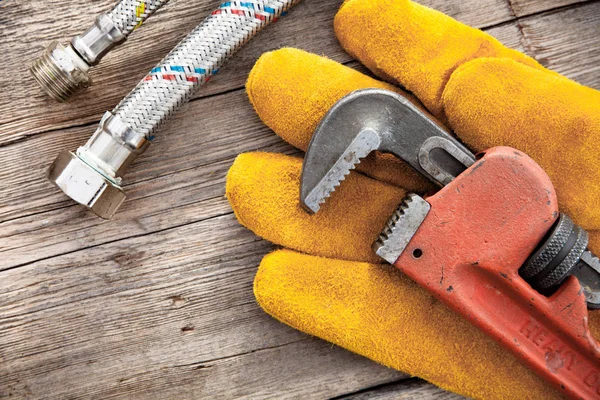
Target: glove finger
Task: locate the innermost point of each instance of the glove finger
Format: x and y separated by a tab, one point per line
375	311
291	90
264	190
418	47
493	102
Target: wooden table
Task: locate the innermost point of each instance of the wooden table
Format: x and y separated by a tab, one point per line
158	302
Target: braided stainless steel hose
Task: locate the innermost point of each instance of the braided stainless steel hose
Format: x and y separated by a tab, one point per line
92	175
63	70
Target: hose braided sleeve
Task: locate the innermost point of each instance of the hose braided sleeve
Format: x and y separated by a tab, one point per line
194	60
127	15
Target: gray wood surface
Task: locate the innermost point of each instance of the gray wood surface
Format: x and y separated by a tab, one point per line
158	303
412	388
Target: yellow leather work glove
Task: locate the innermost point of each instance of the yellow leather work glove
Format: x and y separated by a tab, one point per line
327	281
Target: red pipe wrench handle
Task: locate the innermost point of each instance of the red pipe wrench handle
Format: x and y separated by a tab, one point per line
467	252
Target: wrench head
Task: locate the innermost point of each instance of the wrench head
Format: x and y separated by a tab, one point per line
375	119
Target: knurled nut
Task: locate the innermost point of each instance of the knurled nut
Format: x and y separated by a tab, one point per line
562	270
549	250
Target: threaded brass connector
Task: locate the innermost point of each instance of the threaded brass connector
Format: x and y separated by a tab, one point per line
61	72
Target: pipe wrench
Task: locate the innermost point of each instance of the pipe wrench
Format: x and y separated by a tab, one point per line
491	243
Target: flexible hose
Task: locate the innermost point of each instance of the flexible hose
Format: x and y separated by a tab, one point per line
92	175
127	15
194	60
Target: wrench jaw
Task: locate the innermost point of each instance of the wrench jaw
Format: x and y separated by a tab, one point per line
354	127
313	195
373	119
587	272
401	228
349	131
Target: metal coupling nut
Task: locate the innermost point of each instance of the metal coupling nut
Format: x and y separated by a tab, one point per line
85	185
92	175
62	71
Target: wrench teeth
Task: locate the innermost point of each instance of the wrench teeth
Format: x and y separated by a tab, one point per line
338	176
350	158
401	227
390	226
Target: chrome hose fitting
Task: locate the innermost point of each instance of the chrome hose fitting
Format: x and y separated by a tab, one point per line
62	71
92	175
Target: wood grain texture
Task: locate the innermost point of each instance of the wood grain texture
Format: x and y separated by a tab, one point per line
407	389
157	303
527	7
177	312
567	42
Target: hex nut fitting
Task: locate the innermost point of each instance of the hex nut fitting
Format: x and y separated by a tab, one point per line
61	72
85	185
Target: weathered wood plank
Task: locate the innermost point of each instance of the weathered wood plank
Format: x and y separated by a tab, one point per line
27	27
307	370
479	14
509	34
413	389
567	42
167	311
526	7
